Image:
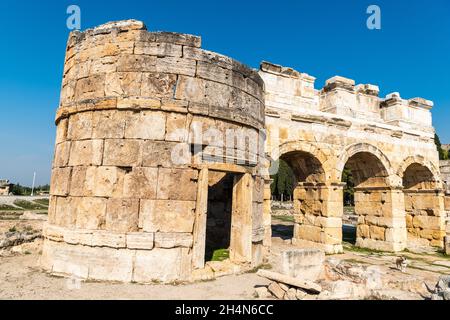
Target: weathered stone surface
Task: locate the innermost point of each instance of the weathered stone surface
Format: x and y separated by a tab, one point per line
149	125
167	215
86	152
91	213
173	240
122	215
170	180
276	290
140	240
303	263
122	152
165	265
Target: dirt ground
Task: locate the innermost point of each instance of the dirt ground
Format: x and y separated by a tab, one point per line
21	278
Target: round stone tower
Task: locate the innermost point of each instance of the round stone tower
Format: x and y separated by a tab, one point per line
157	162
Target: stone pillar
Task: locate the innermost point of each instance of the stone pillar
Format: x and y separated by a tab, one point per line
267	213
425	216
381	218
318	215
447	224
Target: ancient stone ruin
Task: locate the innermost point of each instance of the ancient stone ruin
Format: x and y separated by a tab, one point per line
164	153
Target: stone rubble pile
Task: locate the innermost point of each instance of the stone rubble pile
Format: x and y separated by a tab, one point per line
15	238
442	289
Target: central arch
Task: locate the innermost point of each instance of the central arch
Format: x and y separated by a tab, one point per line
378	200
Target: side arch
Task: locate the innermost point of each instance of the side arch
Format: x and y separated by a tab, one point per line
419	160
353	149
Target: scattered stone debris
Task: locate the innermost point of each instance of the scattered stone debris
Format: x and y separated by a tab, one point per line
15	238
442	289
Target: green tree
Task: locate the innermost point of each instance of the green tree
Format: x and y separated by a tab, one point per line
349	190
443	155
283	182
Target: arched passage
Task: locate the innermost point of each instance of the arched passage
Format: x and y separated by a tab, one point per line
318	214
424	204
378	204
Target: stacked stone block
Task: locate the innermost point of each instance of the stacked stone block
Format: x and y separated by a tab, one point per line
122	205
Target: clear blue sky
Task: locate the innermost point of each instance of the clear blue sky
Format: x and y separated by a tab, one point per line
410	54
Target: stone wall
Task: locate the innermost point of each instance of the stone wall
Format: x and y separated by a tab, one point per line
445	173
383	141
142	120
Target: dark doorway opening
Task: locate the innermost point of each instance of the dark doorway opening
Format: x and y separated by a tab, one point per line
219	213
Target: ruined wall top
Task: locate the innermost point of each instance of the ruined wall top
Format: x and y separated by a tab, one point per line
291	90
111	64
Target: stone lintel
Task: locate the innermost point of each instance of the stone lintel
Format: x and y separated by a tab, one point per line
421	103
368	89
388	188
338	82
285	71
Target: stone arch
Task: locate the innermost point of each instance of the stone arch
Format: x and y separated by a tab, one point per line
354	149
424	202
378	199
418	159
317	159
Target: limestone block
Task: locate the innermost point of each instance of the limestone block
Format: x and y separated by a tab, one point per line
331	236
108	239
158	85
205	92
363	231
122	152
186	40
108	124
101	181
53	233
165	265
214	72
61	131
176	129
307	232
141	183
158	49
91	213
170	180
106	64
306	264
60	181
140	240
66	259
109	264
74	237
176	65
80	126
167	215
138	103
328	222
122	215
377	233
86	152
173	240
65	214
123	84
172	105
166	154
150	125
62	152
91	87
427	222
136	63
77	182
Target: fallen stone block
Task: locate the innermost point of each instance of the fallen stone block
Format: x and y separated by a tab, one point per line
276	290
293	282
306	264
